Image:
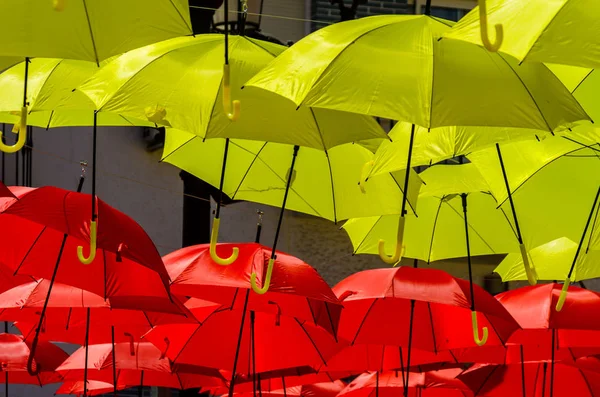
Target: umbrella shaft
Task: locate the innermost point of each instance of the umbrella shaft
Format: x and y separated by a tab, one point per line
87	343
587	225
224	166
407	176
464	204
508	192
285	196
239	342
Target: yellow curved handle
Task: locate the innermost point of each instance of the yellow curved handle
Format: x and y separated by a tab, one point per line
399	251
90	259
563	294
227	104
59	5
483	22
366	168
214	236
482	341
529	269
21	129
266	281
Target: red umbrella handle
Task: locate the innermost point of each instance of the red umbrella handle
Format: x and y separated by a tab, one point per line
120	250
30	369
131	343
164	352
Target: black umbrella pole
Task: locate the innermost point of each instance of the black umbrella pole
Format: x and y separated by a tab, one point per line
377	384
114	360
223	167
253	347
141	389
552	363
237	349
6	383
410	335
523	372
87	344
258	226
285	196
94	152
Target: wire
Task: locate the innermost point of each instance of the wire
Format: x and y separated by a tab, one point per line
267	15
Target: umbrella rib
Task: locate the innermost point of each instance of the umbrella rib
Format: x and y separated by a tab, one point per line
48	77
87	16
402	191
312	313
437	214
181	16
179	147
311	341
530	94
248	170
486	379
105	281
363	321
314	116
29	251
186	343
333	328
585	379
367	234
262	48
432	328
472	228
50	120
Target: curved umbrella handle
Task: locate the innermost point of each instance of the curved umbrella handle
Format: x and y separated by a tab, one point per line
228	105
21	129
563	294
529	269
399	251
122	247
266	281
163	354
483	22
131	343
30	369
366	168
214	235
59	5
93	235
478	341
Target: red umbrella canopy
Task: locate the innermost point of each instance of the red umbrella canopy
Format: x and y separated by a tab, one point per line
274	383
296	289
377	306
280	342
14	353
43	228
534	309
326	389
391	384
507	380
531	351
94	388
360	358
66	316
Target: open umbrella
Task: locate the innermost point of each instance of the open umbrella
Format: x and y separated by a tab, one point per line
428	384
173	99
296	289
15	356
533	180
268	342
326	389
561	31
312	181
134	364
92	388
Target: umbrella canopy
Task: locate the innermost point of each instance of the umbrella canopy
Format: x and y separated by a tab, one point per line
353	66
507	380
324	183
94	388
296	290
278	342
442	311
91	30
52	100
563	31
387	384
14	354
327	389
66	318
137	85
43	229
435	233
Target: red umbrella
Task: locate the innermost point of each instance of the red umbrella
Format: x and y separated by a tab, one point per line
296	288
135	364
360	358
427	384
278	342
46	222
93	388
14	357
326	389
540	380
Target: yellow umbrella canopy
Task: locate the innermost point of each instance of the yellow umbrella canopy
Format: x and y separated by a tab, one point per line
91	30
557	31
179	83
397	67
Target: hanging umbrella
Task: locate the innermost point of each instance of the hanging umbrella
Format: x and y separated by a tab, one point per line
327	389
316	182
435	233
133	364
505	380
296	289
92	30
93	388
428	384
15	355
268	342
48	222
562	31
173	99
531	180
